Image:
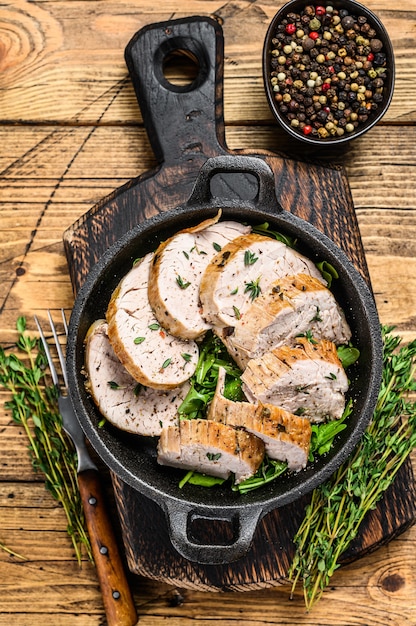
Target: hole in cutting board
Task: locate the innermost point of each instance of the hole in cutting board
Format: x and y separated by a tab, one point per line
180	67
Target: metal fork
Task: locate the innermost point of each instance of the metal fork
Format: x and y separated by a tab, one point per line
117	598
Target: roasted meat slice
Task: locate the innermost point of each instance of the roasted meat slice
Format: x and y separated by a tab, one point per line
150	354
242	271
291	306
286	436
307	380
122	400
176	271
211	448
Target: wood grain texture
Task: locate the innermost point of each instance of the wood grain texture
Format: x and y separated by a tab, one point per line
64	61
71	133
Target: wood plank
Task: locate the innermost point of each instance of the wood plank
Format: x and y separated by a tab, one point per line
65	59
380	166
386	581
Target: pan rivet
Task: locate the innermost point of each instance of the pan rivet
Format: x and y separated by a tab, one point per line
116	595
92	501
103	550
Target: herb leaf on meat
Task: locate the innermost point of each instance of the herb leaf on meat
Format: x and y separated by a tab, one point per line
253	288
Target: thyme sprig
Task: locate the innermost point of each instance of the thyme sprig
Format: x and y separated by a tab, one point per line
33	405
338	507
12	552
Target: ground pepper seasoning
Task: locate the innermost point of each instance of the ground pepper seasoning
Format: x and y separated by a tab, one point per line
327	71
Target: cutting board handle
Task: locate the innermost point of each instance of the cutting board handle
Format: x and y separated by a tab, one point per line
181	120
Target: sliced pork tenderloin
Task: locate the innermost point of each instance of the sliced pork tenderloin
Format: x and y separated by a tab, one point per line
243	270
150	354
307	380
123	401
291	306
286	436
210	448
176	270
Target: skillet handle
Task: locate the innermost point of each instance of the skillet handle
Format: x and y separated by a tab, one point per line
244	522
240	180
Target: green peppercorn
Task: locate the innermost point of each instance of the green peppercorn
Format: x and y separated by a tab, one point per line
314	24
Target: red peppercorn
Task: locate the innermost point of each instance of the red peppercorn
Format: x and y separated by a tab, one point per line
307	129
326	86
313	34
370	57
331	69
290	29
320	11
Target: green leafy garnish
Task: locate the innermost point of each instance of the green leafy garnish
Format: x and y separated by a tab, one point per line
214	456
212	356
264	229
183	284
348	355
323	435
268	471
237	313
309	336
202	480
328	272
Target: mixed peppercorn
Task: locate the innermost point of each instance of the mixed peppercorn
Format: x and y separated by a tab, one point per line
327	71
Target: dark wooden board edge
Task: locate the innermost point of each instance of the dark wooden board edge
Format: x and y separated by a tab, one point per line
149	552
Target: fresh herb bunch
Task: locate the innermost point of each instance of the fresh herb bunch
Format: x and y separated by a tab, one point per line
34	406
338	507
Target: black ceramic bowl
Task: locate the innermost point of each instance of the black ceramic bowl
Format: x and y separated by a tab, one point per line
133	458
331	121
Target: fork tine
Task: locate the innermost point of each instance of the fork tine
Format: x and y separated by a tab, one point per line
59	349
65	322
52	368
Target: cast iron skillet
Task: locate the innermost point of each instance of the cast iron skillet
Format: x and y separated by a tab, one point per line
133	458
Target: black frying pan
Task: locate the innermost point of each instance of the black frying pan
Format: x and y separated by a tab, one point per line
133	458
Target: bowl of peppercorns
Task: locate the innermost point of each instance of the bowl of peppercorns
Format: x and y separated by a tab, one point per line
328	70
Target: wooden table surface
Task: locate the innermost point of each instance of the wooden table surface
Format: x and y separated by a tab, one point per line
70	133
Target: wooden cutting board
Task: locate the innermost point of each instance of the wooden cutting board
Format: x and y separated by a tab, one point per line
185	126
